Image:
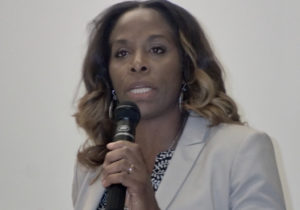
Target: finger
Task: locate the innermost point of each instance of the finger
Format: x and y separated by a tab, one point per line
118	144
127	199
134	182
113	156
115	167
130	151
118	178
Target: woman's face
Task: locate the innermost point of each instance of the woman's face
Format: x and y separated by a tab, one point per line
145	66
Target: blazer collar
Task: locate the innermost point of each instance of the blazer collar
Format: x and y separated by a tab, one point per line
187	151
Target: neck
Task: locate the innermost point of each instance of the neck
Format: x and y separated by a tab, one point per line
158	134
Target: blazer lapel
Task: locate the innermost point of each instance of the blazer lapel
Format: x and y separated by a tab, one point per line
187	151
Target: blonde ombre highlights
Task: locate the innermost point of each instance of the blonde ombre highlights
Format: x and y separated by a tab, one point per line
204	97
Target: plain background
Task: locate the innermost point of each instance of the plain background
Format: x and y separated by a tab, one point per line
42	44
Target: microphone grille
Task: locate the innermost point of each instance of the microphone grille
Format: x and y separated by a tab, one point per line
127	109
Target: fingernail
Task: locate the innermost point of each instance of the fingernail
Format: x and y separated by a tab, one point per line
103	182
110	145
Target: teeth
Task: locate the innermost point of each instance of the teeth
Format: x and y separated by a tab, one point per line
140	90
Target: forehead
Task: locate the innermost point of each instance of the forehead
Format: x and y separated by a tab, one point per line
139	22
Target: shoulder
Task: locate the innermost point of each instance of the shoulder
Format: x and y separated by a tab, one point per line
237	134
241	139
224	132
228	138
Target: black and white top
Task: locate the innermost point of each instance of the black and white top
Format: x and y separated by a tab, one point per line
160	166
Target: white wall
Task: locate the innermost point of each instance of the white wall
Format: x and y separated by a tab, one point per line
42	44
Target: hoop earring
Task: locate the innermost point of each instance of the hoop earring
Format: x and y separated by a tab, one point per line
114	96
112	105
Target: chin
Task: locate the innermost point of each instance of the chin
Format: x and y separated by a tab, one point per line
147	111
154	110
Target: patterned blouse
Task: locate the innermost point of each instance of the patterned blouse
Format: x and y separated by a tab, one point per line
160	166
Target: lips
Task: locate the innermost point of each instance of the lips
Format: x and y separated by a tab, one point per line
140	90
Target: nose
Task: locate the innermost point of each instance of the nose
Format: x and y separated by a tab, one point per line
139	63
137	69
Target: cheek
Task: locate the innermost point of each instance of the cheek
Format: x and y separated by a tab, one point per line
171	80
175	84
173	73
173	67
112	76
115	75
176	79
118	80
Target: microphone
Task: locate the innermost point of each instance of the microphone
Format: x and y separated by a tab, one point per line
126	117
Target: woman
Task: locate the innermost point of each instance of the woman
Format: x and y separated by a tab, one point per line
191	151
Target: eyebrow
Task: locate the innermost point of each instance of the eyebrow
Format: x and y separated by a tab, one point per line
119	41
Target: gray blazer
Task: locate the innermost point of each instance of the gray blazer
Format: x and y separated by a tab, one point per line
213	168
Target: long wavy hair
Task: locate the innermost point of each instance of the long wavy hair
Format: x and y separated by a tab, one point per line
205	95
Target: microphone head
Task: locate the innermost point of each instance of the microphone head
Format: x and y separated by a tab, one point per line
127	110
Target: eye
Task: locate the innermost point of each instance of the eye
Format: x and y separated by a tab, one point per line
121	53
157	50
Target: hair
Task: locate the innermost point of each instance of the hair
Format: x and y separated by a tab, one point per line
205	95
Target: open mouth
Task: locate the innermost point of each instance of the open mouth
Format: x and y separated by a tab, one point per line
140	90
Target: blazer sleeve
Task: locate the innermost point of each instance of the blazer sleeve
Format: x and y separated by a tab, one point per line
79	172
255	182
75	185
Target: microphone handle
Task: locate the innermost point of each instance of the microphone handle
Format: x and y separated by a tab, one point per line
116	197
116	193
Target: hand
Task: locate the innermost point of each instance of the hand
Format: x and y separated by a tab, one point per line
125	165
